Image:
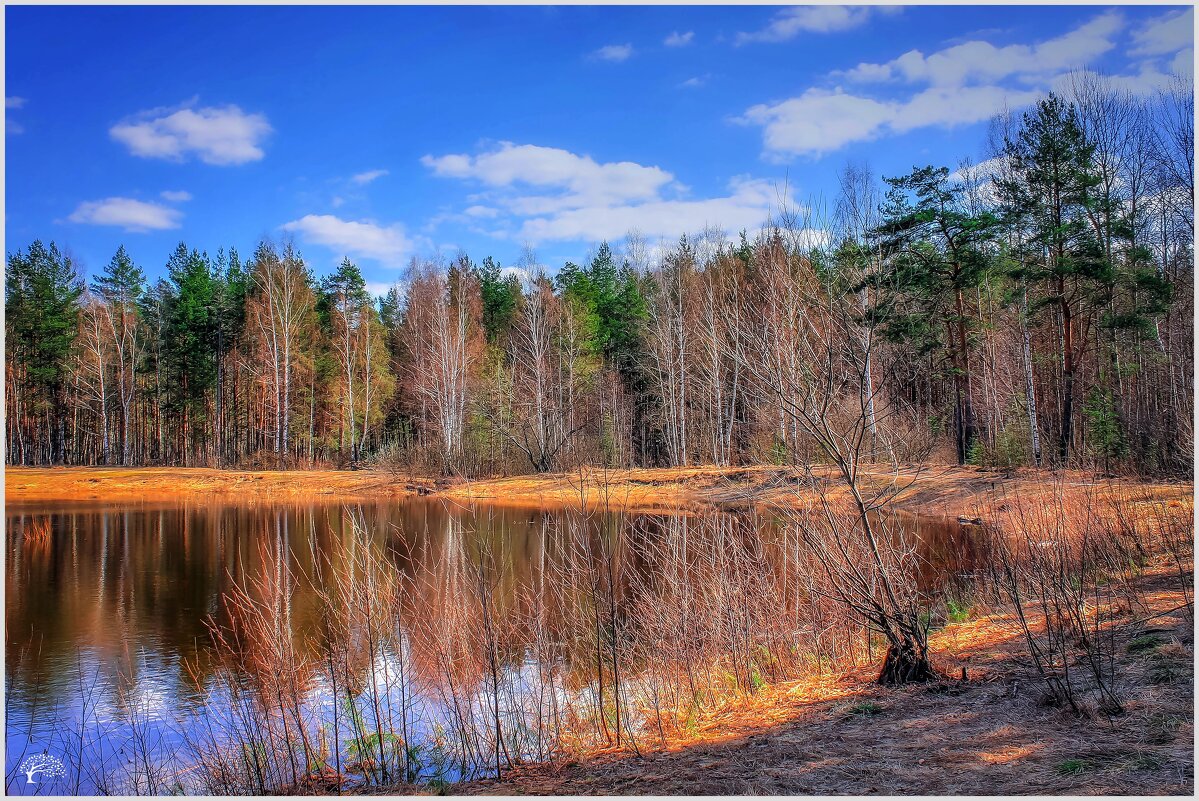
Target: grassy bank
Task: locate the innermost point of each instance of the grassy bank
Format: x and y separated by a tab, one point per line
841	733
709	653
23	484
935	490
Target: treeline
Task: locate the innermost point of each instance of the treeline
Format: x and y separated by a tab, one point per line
1035	309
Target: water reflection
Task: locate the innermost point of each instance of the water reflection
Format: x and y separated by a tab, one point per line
383	641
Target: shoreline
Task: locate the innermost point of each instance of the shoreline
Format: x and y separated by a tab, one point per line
932	490
937	490
806	736
989	734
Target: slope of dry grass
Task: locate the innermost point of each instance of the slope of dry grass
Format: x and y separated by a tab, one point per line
165	483
935	490
843	734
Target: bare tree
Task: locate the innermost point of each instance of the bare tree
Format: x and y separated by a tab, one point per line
95	364
814	364
280	312
534	407
442	332
671	348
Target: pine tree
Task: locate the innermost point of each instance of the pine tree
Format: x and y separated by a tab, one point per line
190	344
499	296
1050	192
935	254
41	301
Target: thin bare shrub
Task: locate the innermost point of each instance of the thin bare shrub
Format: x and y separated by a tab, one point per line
1053	561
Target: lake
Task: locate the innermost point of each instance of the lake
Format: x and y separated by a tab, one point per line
210	647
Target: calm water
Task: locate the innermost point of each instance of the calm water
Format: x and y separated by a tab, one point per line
111	614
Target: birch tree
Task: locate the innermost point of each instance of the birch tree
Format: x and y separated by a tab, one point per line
120	287
280	311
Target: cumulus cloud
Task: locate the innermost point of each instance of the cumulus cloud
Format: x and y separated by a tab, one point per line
818	121
616	52
221	135
387	244
958	85
791	22
127	213
364	178
748	204
574	180
677	39
1148	81
1164	34
536	194
176	196
821	121
982	61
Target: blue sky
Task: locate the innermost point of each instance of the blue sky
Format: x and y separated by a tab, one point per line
387	133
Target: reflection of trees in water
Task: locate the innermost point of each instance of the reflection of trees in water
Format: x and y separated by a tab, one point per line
433	622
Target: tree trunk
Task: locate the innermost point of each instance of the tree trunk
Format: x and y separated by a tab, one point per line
906	663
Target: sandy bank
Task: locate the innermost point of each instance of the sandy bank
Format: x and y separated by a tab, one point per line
937	489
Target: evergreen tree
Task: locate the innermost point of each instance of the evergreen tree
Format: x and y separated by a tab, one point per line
936	253
1049	193
122	281
499	296
190	339
41	302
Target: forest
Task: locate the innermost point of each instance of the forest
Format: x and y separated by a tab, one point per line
1032	309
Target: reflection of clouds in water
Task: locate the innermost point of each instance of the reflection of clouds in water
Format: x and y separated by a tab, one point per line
129	604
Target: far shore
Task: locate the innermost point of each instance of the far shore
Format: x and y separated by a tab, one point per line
943	490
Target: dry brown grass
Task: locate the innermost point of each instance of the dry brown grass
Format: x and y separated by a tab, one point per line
934	490
168	483
844	734
930	490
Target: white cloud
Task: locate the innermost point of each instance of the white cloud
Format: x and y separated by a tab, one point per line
578	180
749	205
961	85
176	196
695	83
677	39
10	125
1164	35
1184	62
947	107
379	289
982	61
790	22
1149	81
364	178
617	52
366	238
818	121
123	212
591	201
523	274
988	168
221	135
821	121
